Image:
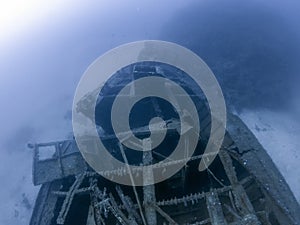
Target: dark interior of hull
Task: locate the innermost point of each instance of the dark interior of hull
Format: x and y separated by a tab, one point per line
183	197
257	193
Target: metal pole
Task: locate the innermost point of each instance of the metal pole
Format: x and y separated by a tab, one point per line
149	190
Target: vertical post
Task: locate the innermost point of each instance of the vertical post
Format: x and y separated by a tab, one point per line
241	199
214	209
91	217
149	190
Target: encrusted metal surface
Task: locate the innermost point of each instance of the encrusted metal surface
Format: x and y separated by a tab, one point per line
241	187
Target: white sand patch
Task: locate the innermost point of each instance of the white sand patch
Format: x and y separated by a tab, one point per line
18	194
279	133
17	191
